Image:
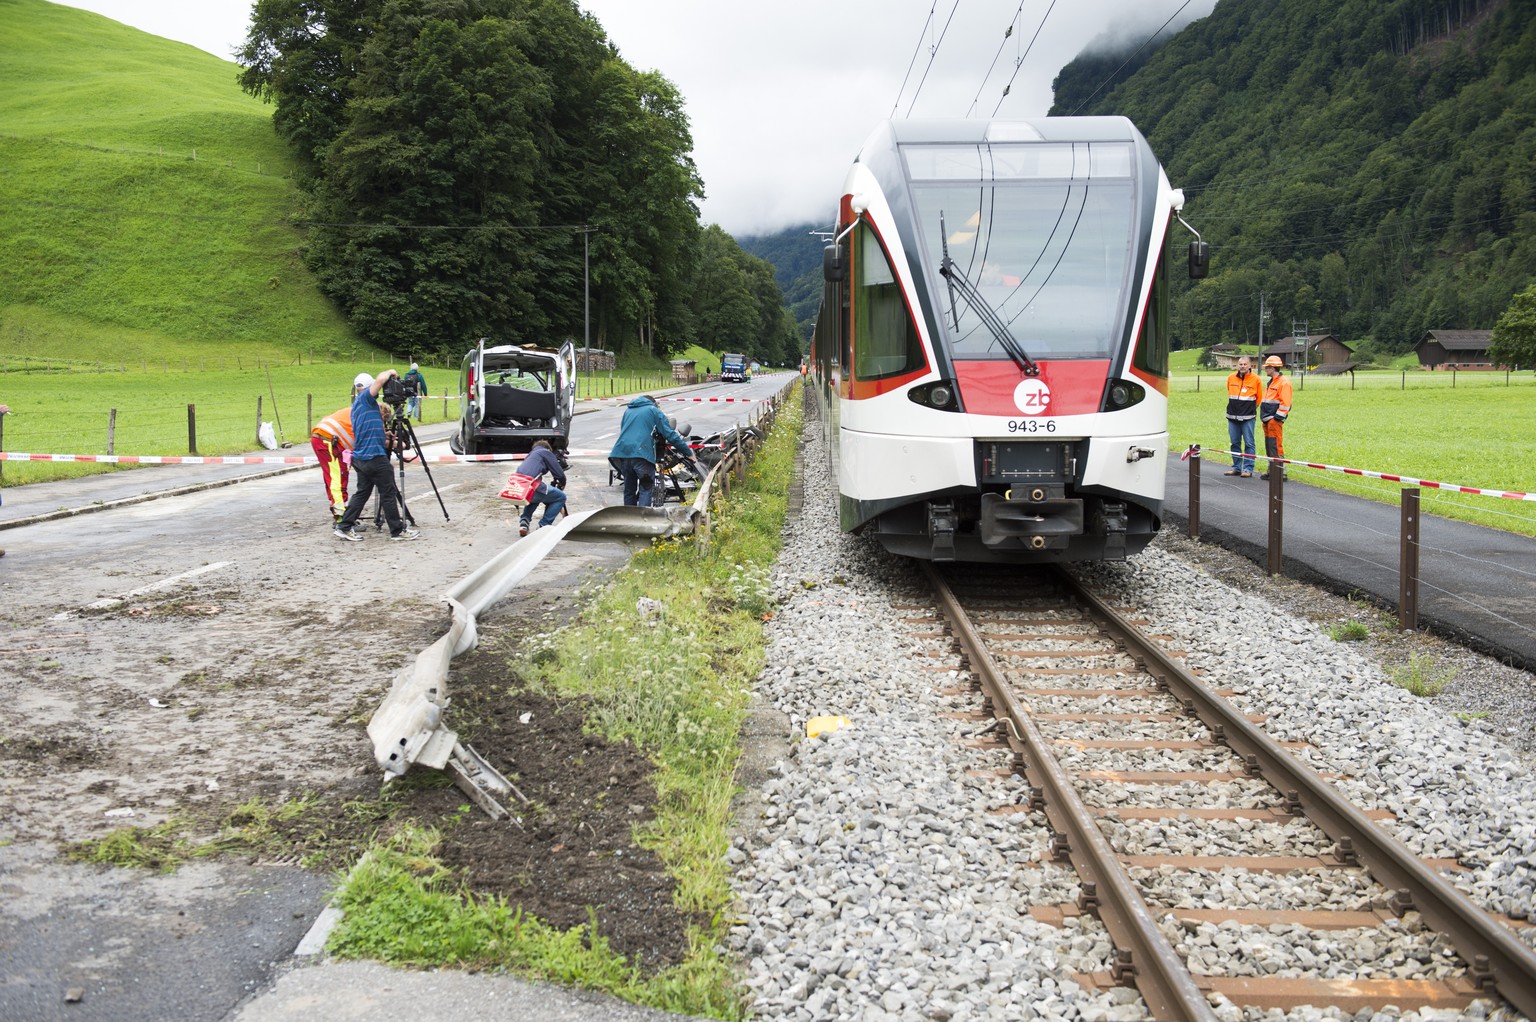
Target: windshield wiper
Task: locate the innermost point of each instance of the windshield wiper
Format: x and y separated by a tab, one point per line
980	306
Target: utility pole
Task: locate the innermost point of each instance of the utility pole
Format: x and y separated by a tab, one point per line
1263	315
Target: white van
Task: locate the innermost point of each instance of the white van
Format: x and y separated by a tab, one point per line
511	397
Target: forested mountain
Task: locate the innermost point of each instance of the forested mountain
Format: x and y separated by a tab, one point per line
795	254
1366	166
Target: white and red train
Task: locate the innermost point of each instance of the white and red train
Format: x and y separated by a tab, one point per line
992	346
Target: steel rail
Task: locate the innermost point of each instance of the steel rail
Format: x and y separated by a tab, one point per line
1495	956
1159	973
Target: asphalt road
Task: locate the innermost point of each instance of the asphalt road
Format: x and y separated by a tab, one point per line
1477	585
217	939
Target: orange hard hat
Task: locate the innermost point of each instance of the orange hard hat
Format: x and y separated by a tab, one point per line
1274	360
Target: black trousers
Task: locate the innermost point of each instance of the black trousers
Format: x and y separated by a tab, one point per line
375	472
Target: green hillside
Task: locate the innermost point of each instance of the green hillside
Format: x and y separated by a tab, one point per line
146	205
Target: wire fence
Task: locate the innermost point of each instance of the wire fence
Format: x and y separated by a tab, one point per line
1404	380
224	415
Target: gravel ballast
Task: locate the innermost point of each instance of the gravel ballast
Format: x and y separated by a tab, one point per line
880	881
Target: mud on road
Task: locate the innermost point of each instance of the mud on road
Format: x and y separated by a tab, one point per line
198	677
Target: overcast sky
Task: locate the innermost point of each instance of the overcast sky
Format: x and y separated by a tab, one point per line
781	94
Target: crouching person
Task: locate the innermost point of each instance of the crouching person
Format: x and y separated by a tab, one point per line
540	460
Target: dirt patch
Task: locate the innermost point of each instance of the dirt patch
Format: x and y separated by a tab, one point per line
214	683
571	857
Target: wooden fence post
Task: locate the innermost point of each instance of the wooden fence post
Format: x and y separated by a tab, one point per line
111	431
191	429
1408	564
309	414
1194	493
1276	515
258	420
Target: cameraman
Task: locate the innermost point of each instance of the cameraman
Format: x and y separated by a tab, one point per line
370	460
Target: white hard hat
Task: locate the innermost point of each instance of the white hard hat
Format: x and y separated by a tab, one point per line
361	380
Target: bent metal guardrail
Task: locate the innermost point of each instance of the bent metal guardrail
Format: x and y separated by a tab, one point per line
409	729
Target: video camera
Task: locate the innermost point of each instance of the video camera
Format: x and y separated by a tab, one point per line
397	390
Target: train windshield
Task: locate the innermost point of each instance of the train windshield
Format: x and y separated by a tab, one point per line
1041	230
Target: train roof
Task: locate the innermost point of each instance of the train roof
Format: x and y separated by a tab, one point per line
1025	129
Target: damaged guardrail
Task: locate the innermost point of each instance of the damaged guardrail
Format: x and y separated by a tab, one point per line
408	728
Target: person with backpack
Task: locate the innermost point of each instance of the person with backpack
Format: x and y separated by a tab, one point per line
540	460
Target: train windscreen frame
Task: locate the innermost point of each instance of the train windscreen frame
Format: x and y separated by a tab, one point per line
1044	231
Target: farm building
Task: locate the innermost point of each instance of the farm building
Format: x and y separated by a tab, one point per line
1454	349
1226	355
1311	351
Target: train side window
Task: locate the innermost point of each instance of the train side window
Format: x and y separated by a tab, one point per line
885	340
1151	355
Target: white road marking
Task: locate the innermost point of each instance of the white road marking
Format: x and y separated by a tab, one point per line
165	583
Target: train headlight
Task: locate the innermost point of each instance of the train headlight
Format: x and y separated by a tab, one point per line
1120	394
935	395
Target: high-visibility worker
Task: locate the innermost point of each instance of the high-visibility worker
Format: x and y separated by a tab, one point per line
1274	410
1244	391
331	440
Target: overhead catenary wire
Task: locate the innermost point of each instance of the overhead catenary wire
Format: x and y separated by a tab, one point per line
1007	34
933	52
1018	64
1132	57
896	104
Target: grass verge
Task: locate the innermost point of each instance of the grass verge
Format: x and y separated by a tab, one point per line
673	680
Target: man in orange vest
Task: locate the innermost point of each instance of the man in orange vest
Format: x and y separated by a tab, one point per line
1273	411
1244	392
331	440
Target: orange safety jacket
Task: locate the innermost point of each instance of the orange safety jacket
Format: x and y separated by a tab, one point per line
1277	399
1243	395
336	427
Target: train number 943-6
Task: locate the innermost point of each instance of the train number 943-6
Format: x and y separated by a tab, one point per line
1031	425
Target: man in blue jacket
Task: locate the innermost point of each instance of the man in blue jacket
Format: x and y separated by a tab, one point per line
370	461
540	460
634	454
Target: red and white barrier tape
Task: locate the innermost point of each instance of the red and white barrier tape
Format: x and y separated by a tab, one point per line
1409	480
190	459
696	400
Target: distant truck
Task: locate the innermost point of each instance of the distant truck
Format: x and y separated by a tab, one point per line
734	368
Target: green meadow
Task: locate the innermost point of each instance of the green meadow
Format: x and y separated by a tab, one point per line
69	408
1470	429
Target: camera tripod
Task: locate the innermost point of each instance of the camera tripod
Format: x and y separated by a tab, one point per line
404	439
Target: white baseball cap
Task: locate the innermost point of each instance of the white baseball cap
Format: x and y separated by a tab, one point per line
361	380
413	365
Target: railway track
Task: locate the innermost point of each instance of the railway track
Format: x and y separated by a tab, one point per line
1223	866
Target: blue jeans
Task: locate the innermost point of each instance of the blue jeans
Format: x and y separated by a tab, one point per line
639	478
553	500
1241	432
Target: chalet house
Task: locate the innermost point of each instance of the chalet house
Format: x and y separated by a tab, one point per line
1454	349
1312	351
1226	355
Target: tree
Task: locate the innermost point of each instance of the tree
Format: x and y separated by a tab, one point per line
1514	336
474	164
724	306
